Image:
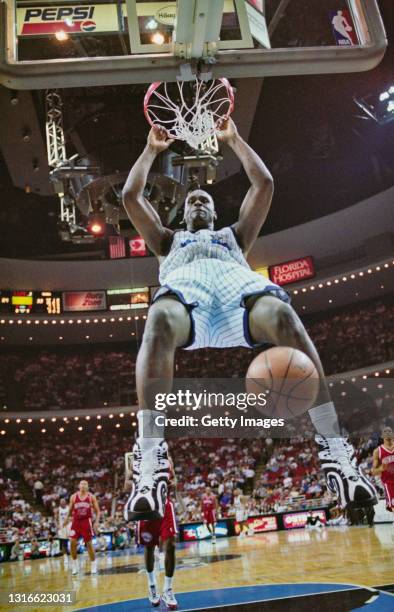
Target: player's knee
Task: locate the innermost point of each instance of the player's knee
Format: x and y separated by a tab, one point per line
287	321
169	545
161	323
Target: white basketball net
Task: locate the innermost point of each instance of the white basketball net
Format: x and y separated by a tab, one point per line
195	121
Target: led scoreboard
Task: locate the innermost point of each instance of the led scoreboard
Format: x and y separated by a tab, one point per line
47	302
26	302
128	299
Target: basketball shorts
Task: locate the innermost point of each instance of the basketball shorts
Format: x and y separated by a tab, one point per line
214	292
150	533
82	529
240	516
389	493
210	517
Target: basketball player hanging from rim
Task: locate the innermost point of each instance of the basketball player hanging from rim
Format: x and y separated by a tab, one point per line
229	305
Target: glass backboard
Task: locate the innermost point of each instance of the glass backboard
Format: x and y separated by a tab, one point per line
71	44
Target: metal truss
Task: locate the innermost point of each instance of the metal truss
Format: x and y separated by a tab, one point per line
57	157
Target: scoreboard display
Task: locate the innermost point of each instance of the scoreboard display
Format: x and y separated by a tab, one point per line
128	299
21	302
47	302
26	302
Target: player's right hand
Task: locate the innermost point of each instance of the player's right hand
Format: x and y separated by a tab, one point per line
158	139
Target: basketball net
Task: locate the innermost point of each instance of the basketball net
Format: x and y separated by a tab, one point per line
194	118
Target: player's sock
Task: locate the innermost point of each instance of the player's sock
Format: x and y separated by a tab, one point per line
150	433
325	419
154	597
151	578
168	582
93	567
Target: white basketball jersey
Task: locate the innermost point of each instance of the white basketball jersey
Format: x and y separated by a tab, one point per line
62	515
188	247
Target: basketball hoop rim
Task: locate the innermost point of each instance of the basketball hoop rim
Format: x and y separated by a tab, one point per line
152	88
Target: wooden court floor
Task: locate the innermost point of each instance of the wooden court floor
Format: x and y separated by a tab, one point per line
355	555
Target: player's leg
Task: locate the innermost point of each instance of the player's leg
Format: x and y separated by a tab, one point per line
169	566
272	320
148	536
149	557
74	553
168	327
92	556
213	527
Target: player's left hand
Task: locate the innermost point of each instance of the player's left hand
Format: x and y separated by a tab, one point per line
96	526
226	130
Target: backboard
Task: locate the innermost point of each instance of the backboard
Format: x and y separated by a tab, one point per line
55	43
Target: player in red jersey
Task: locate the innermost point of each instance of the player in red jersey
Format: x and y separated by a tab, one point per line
81	508
209	506
383	465
161	533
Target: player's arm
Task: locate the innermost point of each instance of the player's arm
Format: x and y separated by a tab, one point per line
96	509
257	202
140	211
377	467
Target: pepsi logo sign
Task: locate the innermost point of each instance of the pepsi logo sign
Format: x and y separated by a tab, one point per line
88	26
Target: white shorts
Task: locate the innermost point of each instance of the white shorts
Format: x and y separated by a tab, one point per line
215	292
240	516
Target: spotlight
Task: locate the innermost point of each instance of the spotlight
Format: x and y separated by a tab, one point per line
61	35
158	38
96	225
151	25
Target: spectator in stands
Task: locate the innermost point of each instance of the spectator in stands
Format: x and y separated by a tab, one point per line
16	551
38	490
35	549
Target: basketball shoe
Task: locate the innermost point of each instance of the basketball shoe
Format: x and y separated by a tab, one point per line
151	469
344	477
154	597
169	599
74	567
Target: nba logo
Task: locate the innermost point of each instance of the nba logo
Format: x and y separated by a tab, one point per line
343	28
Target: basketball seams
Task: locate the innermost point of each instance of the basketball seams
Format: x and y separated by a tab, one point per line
287	402
284	379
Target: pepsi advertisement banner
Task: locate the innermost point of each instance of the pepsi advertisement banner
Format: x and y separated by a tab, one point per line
49	19
199	531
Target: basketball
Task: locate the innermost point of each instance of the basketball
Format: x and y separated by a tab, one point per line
289	377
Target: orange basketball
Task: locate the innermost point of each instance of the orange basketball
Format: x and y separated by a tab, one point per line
289	377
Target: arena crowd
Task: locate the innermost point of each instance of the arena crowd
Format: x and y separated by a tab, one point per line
94	377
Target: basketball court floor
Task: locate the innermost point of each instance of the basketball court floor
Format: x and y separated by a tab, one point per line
339	568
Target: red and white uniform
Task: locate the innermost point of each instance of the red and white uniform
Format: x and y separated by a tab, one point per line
150	533
386	458
81	526
208	509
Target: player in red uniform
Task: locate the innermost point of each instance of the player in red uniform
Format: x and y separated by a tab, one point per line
209	506
383	465
81	508
161	533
